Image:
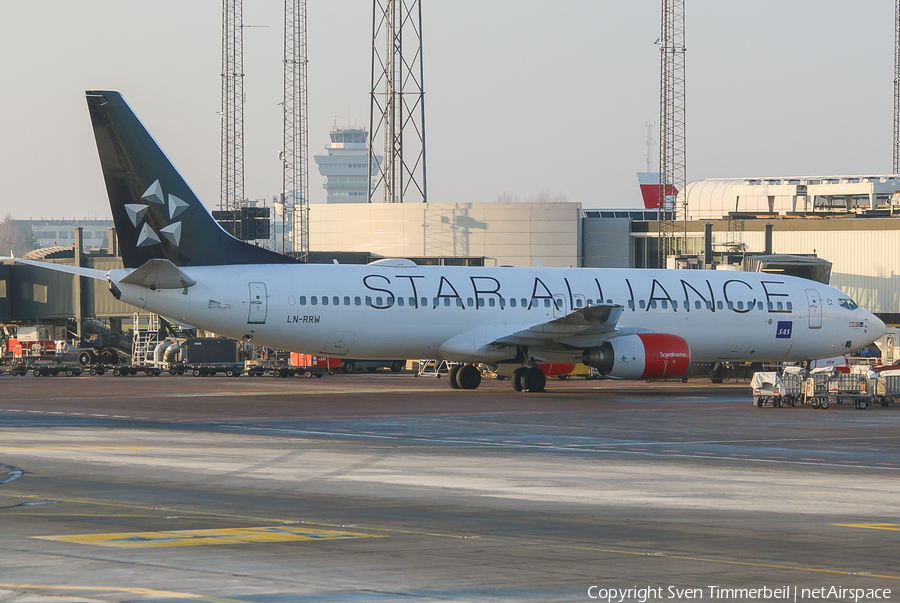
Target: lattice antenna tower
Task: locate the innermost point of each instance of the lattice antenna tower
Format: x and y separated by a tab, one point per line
897	87
295	171
231	191
397	102
672	219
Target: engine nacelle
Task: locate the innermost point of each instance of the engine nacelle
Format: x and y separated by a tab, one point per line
643	356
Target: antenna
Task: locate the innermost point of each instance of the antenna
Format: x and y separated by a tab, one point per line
398	112
295	171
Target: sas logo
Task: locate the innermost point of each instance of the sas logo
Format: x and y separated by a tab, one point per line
784	329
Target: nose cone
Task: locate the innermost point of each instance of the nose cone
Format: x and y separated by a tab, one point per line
876	328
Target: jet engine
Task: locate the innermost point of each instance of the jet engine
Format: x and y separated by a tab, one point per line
642	356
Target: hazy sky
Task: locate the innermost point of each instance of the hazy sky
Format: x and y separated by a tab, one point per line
522	96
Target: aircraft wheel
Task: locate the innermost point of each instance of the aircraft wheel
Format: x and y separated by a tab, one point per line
534	380
451	376
519	378
468	377
348	367
397	366
85	358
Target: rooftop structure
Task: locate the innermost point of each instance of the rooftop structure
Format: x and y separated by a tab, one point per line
802	195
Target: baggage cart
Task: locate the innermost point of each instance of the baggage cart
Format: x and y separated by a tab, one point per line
767	389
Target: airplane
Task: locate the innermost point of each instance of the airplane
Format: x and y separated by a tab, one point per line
628	324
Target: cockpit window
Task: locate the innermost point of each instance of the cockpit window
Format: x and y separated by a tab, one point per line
849	304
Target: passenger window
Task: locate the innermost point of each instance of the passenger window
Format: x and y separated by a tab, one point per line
302	300
436	301
578	302
447	302
480	302
424	302
324	300
357	301
368	301
731	305
459	302
470	302
719	305
346	300
641	303
770	306
709	305
546	303
524	303
492	302
665	304
400	301
653	304
291	300
740	305
631	304
502	302
412	301
759	306
314	300
780	306
512	302
336	300
697	304
378	301
790	306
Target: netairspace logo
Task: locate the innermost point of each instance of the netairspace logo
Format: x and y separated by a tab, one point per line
721	593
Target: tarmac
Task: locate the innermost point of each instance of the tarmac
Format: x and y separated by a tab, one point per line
383	487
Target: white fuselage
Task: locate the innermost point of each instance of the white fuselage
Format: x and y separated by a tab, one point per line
376	312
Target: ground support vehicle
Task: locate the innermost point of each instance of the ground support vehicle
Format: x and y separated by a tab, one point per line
433	368
44	367
313	366
854	387
815	391
350	365
767	389
888	388
206	369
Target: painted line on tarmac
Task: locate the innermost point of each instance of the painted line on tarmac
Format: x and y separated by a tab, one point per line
721	561
118	589
893	527
581	448
169	538
12	474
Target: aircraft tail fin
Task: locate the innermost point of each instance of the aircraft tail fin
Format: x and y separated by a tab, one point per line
650	189
157	215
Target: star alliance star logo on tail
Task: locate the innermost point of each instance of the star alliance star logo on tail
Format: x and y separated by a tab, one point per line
137	212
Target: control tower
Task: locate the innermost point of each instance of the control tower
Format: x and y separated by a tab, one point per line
345	165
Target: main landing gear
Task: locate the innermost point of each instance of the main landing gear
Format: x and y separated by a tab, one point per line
525	378
464	376
529	379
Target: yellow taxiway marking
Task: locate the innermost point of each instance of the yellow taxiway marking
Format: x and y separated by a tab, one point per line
133	590
895	527
205	537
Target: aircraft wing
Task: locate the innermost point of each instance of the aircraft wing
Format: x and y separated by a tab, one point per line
583	322
582	328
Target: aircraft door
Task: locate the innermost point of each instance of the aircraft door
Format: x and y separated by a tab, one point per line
815	309
258	304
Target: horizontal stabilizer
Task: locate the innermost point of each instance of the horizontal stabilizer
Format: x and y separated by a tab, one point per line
100	275
159	274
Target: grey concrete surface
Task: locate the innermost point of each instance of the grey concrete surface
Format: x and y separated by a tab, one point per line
389	488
